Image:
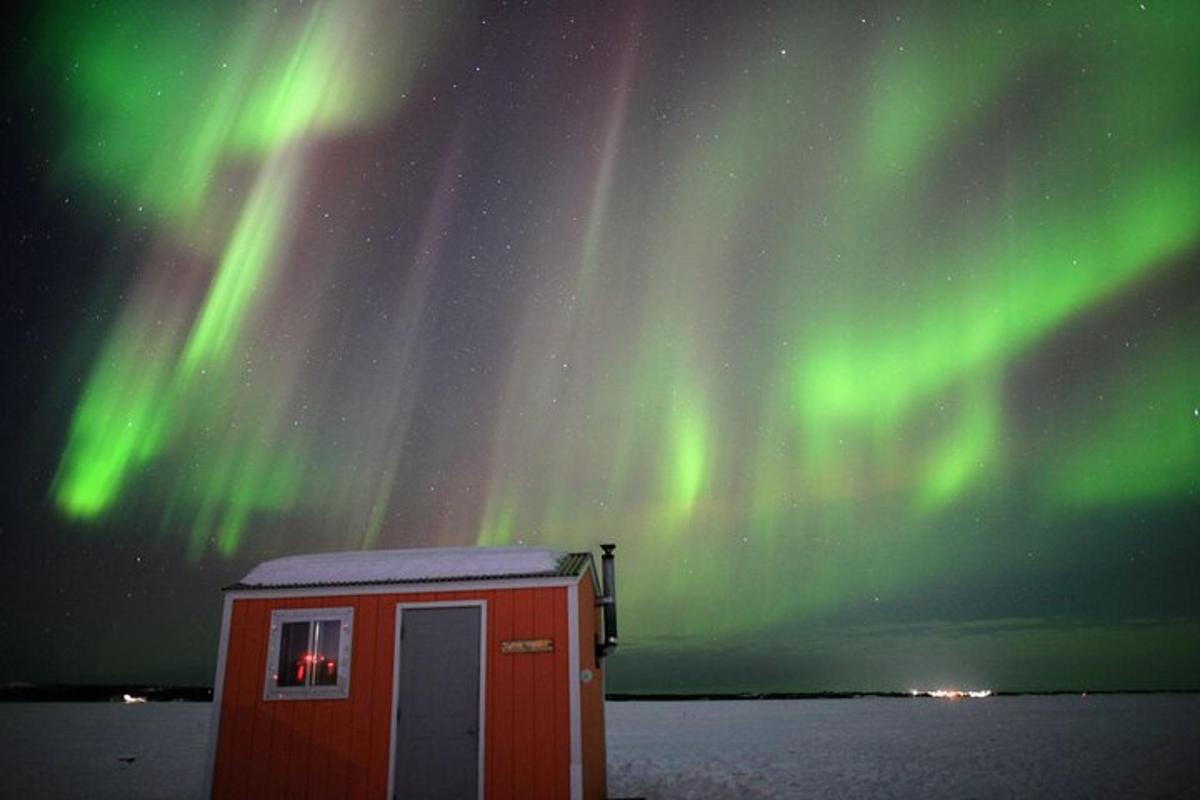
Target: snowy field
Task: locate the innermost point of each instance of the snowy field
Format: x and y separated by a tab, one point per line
1061	747
1114	746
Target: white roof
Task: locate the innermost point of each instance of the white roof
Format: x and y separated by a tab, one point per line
384	566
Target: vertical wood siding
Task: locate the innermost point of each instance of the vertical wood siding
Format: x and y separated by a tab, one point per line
341	748
591	698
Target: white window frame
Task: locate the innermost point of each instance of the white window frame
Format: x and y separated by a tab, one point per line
341	689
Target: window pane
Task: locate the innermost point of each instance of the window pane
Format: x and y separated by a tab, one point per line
328	636
293	668
309	654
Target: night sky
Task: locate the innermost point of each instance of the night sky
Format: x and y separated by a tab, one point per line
869	331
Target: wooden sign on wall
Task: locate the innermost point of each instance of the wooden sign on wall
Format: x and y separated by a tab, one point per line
527	646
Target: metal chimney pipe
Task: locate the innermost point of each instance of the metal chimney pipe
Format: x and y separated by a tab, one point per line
608	600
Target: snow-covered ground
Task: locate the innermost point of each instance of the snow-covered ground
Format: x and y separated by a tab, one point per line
78	750
1062	747
1115	746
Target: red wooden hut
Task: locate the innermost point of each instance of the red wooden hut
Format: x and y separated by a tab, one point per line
432	673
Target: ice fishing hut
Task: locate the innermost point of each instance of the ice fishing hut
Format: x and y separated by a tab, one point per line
432	673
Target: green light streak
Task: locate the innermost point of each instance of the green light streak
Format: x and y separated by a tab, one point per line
138	394
768	347
865	370
160	99
313	85
806	405
497	528
121	424
921	90
688	465
1145	445
246	478
161	103
962	459
245	271
131	85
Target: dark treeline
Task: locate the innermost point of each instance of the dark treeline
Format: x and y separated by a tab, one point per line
101	693
115	693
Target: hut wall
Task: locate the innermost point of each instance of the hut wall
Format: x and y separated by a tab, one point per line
591	697
340	748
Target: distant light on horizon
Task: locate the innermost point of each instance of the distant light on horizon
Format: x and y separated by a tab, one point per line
952	694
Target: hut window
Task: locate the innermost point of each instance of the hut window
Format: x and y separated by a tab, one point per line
308	656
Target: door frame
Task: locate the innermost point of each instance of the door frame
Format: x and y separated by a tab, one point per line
400	608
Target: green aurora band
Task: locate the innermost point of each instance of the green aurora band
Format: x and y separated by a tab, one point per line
794	384
161	100
882	405
158	110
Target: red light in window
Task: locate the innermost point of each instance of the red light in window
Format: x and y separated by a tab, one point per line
300	672
331	666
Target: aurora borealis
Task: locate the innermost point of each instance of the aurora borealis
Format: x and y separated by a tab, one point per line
870	332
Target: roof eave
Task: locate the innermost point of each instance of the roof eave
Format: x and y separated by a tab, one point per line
573	566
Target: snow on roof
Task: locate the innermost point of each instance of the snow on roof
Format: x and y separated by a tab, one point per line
399	566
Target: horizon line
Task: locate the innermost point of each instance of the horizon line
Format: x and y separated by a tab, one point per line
17	691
